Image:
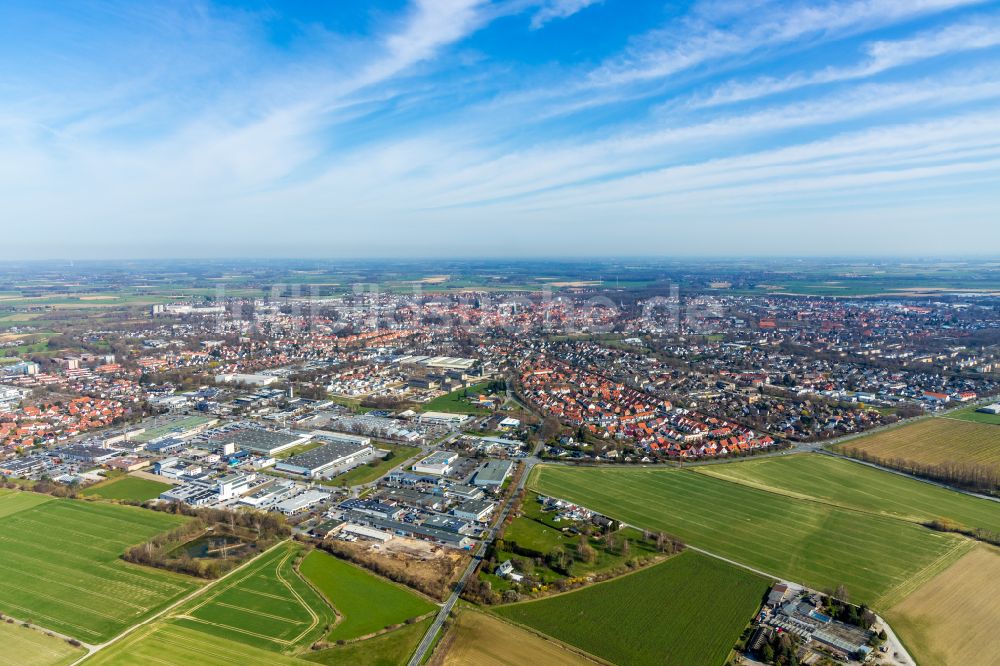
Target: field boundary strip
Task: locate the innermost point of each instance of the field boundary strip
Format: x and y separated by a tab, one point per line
707	471
897	594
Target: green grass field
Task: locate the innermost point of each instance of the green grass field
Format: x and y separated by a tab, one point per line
970	414
23	646
266	604
368	473
366	603
391	649
852	485
457	402
167	644
127	488
876	558
687	611
60	565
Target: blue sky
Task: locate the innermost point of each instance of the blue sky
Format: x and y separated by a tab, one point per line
503	128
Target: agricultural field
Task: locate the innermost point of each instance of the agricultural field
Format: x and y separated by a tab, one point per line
686	611
24	646
366	604
851	485
391	649
127	488
266	604
60	565
474	637
934	441
457	402
955	618
167	644
877	558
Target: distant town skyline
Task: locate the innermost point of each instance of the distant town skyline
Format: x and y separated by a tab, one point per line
468	128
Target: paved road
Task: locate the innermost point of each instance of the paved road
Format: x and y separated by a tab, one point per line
442	615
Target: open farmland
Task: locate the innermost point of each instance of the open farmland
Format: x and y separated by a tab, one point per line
127	488
366	603
934	441
60	565
167	644
855	486
390	649
266	604
475	636
876	558
954	618
687	611
24	646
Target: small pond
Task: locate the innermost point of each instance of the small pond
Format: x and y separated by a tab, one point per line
212	546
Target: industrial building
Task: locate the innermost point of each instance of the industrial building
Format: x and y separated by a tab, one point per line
438	463
264	442
493	473
439	362
249	380
443	418
332	454
302	501
477	510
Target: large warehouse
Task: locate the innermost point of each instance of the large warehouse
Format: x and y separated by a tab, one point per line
323	458
264	442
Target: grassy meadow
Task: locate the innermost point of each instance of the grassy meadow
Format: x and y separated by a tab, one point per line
970	414
365	602
127	488
390	649
457	402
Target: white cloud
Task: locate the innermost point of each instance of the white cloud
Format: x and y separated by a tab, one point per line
980	33
559	9
696	40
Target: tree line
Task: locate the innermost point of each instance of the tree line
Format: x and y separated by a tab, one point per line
970	476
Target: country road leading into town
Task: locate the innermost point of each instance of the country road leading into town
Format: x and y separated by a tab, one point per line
432	631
